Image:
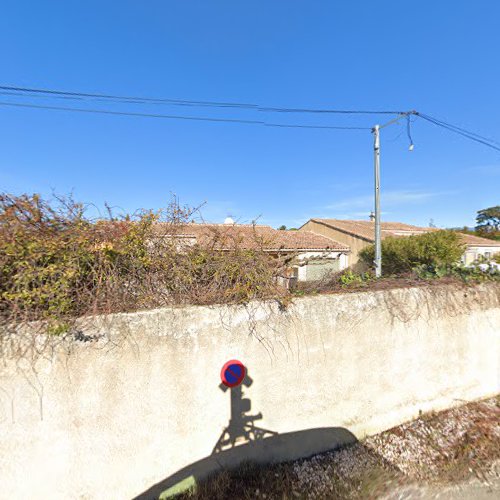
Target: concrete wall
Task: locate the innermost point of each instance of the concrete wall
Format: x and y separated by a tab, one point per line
110	419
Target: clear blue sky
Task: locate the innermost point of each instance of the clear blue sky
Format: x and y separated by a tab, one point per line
440	58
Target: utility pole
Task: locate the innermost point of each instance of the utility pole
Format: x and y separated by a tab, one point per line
378	242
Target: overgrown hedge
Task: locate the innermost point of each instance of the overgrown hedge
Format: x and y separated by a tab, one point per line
56	264
403	254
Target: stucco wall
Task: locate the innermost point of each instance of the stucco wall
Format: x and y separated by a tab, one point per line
321	264
110	419
354	243
474	252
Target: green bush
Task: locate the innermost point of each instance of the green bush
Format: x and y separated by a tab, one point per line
350	278
468	274
401	255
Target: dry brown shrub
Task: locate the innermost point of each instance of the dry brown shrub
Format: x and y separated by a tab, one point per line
56	264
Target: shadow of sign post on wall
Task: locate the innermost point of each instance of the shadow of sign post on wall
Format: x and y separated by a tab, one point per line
243	441
241	428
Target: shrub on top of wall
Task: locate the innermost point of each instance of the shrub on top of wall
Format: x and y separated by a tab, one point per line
57	264
401	255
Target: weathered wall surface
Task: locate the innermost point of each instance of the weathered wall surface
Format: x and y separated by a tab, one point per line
354	243
110	419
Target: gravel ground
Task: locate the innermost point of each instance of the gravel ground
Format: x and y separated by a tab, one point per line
423	447
442	450
468	490
453	454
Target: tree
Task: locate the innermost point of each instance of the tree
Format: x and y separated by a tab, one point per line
282	228
488	222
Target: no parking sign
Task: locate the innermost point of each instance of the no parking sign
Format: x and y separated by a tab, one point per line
232	374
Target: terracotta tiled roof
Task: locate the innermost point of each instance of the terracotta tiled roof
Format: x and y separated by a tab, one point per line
364	229
476	241
249	236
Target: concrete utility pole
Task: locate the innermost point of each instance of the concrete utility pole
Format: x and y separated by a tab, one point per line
376	154
378	242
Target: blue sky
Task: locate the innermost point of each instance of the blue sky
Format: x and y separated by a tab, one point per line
437	57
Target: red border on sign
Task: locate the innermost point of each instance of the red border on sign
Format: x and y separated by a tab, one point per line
223	371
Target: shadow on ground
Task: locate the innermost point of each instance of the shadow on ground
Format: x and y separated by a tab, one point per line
243	441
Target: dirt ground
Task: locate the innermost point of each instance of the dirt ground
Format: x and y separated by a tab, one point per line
454	454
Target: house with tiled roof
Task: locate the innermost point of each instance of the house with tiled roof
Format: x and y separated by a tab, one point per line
314	255
358	234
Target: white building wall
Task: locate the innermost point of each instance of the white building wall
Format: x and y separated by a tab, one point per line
473	253
328	257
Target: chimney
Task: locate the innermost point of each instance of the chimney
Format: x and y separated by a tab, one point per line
372	217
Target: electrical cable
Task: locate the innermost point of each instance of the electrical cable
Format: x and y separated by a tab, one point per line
408	132
327	111
81	96
32	92
463	132
460	129
180	117
141	100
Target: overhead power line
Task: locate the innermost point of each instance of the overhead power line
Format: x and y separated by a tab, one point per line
111	98
461	131
32	92
455	127
180	117
328	111
129	99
